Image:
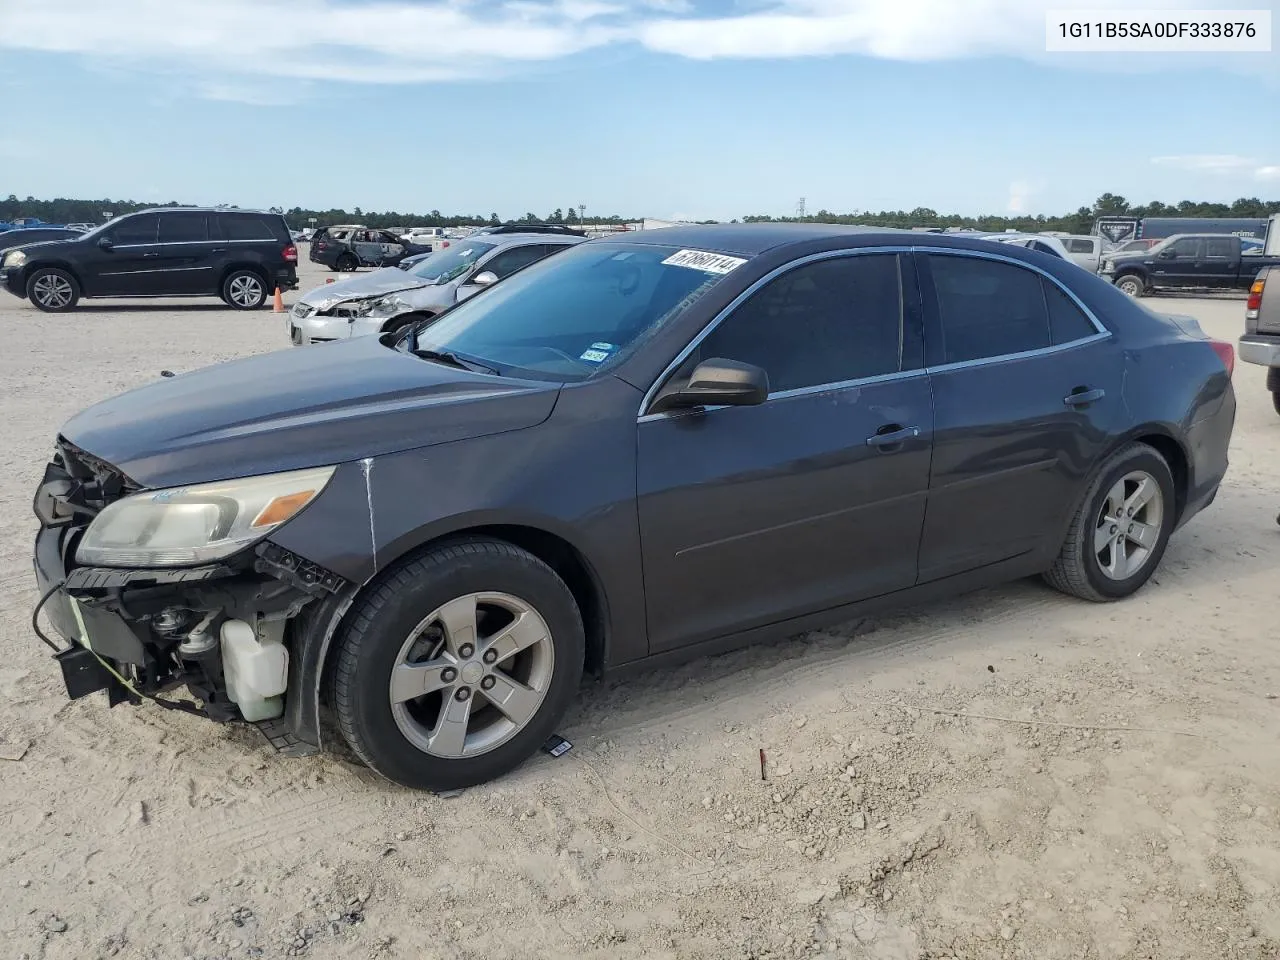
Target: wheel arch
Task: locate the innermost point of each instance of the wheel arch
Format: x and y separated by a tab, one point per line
59	264
235	265
1166	443
311	664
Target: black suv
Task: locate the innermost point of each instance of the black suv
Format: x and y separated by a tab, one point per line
238	255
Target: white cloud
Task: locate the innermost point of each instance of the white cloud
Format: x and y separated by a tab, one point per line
416	41
1020	194
1221	163
1209	162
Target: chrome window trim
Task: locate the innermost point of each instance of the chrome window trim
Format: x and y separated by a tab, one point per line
1102	332
984	255
190	243
736	302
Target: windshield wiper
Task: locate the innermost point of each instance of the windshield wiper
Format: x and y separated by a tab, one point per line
453	360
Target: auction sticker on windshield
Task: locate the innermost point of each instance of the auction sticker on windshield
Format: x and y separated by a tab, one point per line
706	262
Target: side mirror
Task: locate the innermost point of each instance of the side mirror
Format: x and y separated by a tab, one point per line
105	243
717	382
1167	255
485	278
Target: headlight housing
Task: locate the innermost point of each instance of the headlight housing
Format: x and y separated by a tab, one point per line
182	526
387	306
14	258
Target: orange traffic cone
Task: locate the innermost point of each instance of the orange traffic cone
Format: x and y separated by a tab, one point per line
278	303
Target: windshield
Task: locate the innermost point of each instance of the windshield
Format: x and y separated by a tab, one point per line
450	263
574	314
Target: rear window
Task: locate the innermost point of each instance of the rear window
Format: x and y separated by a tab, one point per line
246	227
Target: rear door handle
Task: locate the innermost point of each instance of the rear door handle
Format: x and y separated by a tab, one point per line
1080	398
218	250
892	437
152	254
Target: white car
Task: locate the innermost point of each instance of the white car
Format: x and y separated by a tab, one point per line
391	298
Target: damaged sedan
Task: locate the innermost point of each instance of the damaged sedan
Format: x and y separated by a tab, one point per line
634	452
392	299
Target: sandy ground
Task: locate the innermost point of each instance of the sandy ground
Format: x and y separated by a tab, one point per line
1008	774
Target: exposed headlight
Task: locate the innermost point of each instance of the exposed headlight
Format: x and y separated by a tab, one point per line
199	524
387	306
14	258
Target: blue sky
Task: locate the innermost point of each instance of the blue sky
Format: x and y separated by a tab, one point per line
662	108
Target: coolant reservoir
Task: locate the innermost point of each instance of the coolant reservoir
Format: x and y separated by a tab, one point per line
256	671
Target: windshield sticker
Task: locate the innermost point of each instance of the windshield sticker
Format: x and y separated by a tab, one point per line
604	346
595	356
706	262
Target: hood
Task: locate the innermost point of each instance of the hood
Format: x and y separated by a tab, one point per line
37	245
380	282
300	408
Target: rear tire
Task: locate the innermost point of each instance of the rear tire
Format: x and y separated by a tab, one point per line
53	290
346	264
427	625
1275	400
244	290
1131	285
1110	553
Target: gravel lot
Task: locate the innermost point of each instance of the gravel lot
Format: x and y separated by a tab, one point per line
1010	774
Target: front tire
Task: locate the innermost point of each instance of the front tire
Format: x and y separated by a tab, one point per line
244	290
1120	530
1132	285
398	324
1275	401
457	665
53	290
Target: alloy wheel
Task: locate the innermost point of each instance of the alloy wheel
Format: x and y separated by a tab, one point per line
246	290
471	675
1129	525
52	291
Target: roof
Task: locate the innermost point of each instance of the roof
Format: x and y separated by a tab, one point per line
198	210
750	239
509	239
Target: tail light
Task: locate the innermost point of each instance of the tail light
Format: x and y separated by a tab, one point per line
291	253
1226	353
1254	303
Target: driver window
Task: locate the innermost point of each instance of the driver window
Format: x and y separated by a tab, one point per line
825	322
507	262
1185	248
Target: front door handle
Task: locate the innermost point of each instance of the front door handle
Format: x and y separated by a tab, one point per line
892	435
152	254
1081	397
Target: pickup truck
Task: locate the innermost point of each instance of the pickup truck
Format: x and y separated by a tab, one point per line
1261	341
1212	261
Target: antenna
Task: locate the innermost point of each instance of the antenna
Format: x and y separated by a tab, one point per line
800	209
582	212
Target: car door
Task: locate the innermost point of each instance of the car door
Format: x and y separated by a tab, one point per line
1219	266
505	262
186	254
1027	395
812	499
1178	264
128	263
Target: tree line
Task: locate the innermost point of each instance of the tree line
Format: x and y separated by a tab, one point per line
1107	205
91	211
63	210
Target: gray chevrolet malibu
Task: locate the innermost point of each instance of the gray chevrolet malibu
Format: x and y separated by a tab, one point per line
635	451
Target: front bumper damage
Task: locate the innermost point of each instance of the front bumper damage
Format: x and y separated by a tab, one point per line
143	633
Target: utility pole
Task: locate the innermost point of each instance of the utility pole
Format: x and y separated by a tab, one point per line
800	209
